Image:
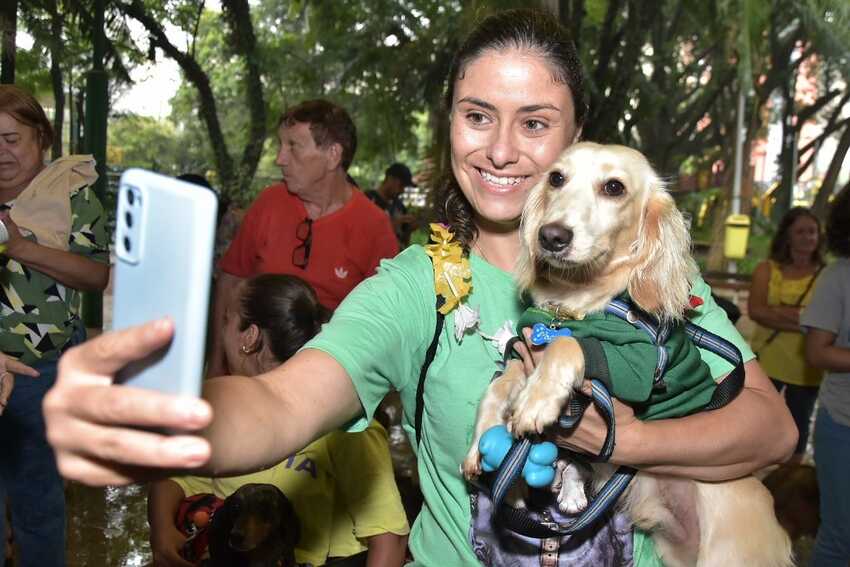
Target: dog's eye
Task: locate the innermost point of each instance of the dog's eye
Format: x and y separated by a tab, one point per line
556	179
613	188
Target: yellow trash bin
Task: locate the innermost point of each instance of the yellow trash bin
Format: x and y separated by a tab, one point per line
737	233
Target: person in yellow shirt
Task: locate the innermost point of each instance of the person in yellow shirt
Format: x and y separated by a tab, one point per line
781	286
341	486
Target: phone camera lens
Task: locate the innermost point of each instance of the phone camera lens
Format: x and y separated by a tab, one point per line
129	219
130	196
127	243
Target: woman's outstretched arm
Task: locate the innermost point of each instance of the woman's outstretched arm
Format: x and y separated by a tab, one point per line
102	433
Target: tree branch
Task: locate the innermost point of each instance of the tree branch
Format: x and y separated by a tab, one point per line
806	113
199	79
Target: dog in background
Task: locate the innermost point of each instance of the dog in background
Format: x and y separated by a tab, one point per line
794	488
256	527
598	224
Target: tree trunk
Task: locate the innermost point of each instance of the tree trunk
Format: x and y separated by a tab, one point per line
79	130
827	187
244	41
200	80
8	29
56	79
716	261
787	154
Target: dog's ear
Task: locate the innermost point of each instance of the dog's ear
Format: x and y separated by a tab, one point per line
661	279
290	526
525	270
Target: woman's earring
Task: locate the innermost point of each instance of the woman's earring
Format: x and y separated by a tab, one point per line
246	349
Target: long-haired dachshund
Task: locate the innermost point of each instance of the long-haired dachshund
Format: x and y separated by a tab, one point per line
256	527
600	223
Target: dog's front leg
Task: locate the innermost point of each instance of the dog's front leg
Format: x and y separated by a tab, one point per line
549	388
569	485
493	410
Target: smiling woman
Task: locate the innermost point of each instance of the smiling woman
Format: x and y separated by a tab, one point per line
501	143
516	101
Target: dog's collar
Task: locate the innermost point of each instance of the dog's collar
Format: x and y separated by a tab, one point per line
561	313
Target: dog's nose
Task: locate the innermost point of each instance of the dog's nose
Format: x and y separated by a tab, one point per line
554	237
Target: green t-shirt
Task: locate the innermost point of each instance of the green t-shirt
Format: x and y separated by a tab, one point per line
380	333
37	313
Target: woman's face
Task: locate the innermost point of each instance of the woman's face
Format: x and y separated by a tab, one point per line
20	153
804	235
510	120
234	339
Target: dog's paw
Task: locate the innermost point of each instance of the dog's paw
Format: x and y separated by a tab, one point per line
534	410
471	466
571	495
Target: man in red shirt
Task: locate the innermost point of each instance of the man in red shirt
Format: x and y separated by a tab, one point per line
315	224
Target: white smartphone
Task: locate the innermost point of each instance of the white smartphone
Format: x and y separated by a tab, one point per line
164	237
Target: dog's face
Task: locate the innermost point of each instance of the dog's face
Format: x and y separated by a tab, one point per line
256	515
587	210
600	220
256	521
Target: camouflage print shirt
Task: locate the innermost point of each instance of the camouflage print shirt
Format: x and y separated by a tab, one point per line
37	313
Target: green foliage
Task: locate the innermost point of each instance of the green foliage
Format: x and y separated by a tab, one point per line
663	75
384	61
31	71
141	141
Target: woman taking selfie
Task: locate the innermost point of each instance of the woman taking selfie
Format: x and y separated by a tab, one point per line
516	100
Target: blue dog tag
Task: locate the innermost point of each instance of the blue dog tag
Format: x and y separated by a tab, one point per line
543	335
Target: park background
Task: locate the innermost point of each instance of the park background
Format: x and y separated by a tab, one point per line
742	106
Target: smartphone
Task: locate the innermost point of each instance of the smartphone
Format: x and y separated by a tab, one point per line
164	238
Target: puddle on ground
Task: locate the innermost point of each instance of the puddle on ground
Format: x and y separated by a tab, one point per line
107	526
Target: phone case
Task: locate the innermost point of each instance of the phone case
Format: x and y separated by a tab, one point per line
164	237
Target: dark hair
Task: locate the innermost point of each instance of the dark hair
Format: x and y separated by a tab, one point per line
780	246
286	310
838	224
195	178
202	181
530	30
329	124
24	108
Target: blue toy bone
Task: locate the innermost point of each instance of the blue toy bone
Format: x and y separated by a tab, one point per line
543	335
539	468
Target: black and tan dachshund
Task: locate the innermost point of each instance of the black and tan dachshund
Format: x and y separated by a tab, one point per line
256	527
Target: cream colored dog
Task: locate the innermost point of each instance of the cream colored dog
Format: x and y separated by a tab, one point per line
598	224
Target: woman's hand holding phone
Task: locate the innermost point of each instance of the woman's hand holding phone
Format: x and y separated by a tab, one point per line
94	425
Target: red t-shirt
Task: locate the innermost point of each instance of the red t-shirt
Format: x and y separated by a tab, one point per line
347	245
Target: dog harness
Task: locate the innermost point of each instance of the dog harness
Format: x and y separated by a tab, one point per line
663	390
653	366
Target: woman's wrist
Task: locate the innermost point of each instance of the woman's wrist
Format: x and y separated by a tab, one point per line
634	445
20	249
